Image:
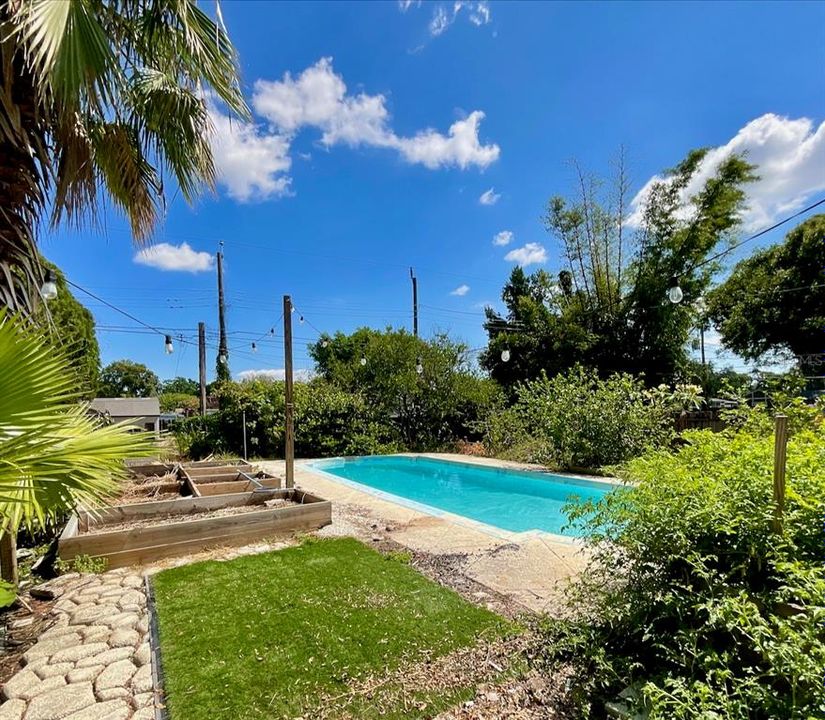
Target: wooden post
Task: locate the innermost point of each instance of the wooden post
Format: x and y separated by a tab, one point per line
202	365
289	430
222	346
243	420
8	557
415	301
779	453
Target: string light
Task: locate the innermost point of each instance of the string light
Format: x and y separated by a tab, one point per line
168	345
419	366
674	292
505	355
48	290
222	358
254	347
363	361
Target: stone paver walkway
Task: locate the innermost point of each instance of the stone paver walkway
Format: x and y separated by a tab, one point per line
94	662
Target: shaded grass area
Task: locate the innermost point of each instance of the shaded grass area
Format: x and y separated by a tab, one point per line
290	633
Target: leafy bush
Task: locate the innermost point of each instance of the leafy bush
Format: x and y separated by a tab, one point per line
171	401
697	608
580	420
328	422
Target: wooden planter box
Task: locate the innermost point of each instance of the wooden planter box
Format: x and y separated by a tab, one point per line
225	479
122	548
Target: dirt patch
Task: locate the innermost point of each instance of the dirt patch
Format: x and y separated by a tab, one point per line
20	626
148	489
496	670
169	518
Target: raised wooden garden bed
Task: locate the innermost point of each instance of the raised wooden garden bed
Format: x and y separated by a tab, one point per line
144	532
226	479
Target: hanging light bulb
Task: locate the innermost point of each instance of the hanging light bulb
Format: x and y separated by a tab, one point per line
48	290
301	319
271	331
419	366
222	358
674	293
505	355
168	345
324	343
254	347
363	360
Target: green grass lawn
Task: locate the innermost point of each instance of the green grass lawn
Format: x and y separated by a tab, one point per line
289	633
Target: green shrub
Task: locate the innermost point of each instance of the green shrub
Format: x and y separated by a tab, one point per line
328	422
696	608
580	420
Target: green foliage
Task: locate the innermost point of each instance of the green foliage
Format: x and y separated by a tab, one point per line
693	602
580	420
53	454
607	308
8	594
181	385
425	411
171	401
125	378
72	328
775	299
83	564
328	422
321	618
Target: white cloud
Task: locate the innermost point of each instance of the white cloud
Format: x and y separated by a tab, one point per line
440	22
461	290
461	147
789	155
404	5
318	98
251	163
181	258
505	237
530	254
489	197
274	374
478	13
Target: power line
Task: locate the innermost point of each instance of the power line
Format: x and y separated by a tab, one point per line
756	235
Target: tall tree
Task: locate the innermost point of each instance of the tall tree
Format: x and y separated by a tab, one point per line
774	301
125	378
97	100
423	389
607	308
71	327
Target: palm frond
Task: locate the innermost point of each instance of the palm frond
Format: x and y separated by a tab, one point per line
53	454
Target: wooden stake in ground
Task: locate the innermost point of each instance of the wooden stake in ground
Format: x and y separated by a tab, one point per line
779	456
289	408
8	557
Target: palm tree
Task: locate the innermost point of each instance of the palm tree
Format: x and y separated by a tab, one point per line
99	100
53	454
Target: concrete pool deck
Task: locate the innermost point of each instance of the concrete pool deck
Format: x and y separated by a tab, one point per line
531	568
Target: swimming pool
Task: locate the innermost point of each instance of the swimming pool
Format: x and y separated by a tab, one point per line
514	500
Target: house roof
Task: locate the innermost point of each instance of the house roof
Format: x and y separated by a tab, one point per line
127	407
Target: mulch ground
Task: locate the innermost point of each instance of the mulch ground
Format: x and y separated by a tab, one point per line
20	626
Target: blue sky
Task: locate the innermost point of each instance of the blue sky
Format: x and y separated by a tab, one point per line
378	128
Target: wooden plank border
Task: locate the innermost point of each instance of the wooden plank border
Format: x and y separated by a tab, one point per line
140	545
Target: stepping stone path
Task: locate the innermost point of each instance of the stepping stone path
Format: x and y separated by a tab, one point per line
94	661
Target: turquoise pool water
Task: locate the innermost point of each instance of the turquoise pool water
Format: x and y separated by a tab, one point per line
508	499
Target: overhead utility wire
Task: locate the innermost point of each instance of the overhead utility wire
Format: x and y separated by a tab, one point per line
756	235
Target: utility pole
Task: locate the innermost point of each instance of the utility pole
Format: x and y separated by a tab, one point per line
202	365
223	352
289	408
415	301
